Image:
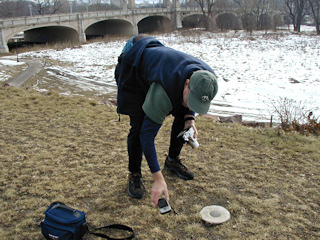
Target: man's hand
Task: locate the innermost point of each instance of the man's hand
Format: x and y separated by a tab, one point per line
159	187
191	123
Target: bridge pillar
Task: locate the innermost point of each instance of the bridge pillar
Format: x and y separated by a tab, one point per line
82	38
135	29
176	12
82	35
3	45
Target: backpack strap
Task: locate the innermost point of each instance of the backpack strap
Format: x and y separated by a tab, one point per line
111	226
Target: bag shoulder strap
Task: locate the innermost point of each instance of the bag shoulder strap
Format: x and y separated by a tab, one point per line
111	226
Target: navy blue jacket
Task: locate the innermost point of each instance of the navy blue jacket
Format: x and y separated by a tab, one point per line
147	61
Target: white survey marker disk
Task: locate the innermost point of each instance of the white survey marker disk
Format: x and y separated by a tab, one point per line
214	214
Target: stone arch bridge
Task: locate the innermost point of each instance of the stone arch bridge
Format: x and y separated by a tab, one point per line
78	27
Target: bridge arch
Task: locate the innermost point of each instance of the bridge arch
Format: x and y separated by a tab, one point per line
156	23
277	20
51	34
227	21
109	27
16	31
265	21
43	34
249	21
193	21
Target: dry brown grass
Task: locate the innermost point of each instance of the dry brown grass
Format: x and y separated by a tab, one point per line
73	150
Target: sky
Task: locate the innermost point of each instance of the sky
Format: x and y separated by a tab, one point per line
255	71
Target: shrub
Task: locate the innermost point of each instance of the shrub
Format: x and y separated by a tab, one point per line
295	116
311	127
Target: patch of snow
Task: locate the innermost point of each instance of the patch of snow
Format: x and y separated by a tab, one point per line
253	69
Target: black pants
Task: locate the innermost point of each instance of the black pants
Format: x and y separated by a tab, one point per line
134	145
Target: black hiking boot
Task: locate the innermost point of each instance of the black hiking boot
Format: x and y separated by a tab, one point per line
177	167
135	185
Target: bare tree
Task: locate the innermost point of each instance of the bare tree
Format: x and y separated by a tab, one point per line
95	5
224	5
315	9
50	6
10	8
297	11
246	6
207	11
58	6
42	7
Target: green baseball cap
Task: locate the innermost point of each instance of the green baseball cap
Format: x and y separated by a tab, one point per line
203	88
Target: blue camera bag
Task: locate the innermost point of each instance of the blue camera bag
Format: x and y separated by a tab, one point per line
63	222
